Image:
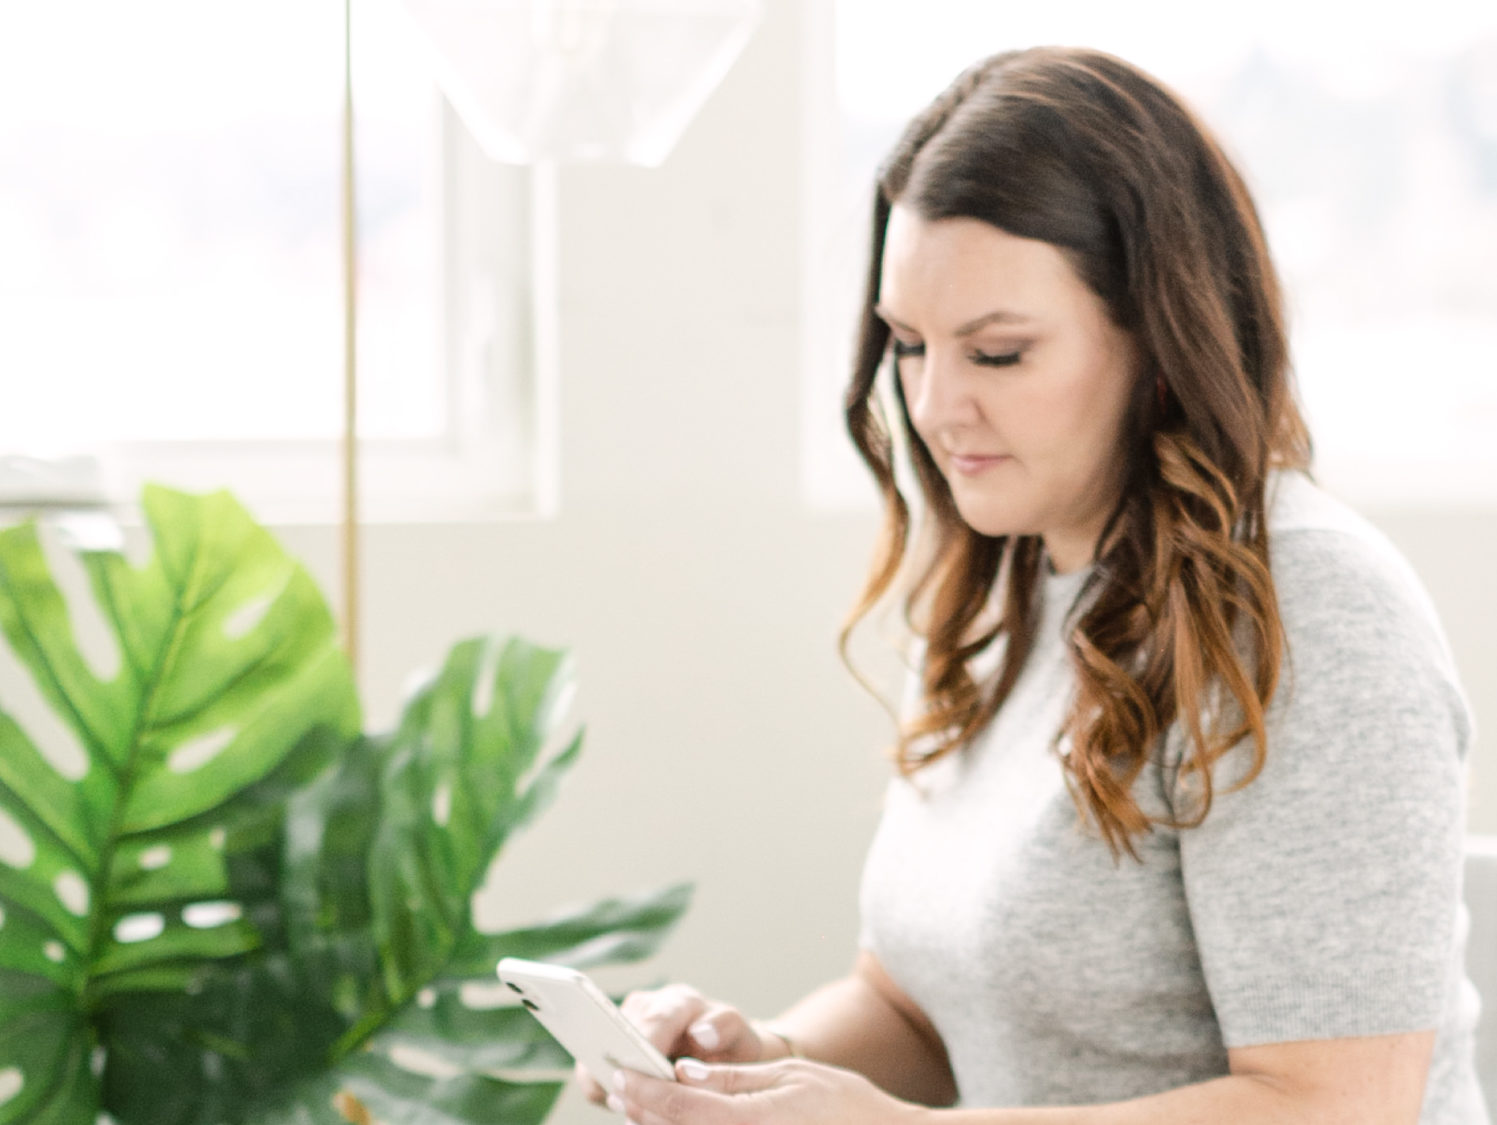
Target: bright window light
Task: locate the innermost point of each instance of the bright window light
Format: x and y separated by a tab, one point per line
169	217
171	262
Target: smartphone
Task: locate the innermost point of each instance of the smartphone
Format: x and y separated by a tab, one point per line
583	1019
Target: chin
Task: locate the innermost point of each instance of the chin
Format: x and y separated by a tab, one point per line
995	520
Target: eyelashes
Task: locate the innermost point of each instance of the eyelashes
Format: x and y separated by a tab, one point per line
901	350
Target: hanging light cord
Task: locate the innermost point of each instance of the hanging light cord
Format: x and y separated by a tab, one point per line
350	445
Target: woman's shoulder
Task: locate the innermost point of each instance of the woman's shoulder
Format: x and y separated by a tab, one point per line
1324	554
1305	519
1350	602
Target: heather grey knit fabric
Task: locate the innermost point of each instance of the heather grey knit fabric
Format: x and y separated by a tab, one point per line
1323	900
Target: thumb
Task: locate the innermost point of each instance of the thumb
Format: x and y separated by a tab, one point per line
728	1079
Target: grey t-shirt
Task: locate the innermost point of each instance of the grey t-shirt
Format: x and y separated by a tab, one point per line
1323	900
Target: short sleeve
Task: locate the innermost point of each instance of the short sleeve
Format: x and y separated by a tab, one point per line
1324	895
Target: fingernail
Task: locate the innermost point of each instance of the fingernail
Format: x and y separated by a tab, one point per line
696	1071
615	1104
705	1034
619	1080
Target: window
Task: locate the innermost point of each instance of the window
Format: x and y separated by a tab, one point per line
1371	146
170	260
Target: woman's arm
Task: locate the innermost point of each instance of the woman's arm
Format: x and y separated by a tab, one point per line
1378	1080
864	1022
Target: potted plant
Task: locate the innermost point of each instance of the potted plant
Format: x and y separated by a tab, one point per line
220	902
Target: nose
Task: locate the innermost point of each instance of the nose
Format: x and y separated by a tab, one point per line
937	392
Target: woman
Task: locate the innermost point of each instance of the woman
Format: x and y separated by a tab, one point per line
1177	832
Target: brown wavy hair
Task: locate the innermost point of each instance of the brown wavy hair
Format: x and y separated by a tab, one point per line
1180	621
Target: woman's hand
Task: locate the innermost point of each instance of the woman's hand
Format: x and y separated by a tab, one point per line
679	1020
788	1092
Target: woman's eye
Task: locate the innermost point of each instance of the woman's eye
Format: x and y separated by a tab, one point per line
901	349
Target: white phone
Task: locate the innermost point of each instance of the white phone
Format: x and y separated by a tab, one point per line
583	1019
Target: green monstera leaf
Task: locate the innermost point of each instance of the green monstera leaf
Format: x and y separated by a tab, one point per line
116	877
238	908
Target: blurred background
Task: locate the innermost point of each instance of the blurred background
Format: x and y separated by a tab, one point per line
662	484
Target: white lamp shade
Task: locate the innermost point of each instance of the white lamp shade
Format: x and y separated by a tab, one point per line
582	80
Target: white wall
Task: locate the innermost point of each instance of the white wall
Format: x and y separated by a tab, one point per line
701	597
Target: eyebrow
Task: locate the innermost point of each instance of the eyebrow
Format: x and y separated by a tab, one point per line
997	316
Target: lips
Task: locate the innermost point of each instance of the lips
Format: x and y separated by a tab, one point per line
970	464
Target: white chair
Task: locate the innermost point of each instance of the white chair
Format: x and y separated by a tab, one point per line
1481	954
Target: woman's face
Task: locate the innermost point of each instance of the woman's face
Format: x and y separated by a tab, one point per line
1014	375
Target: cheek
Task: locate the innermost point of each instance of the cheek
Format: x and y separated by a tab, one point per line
1082	423
1107	431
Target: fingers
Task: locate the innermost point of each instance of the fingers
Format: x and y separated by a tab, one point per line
591	1089
703	1095
664	1014
731	1079
679	1021
724	1034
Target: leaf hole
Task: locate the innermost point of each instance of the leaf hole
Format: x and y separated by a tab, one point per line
40	724
481	996
413	1060
12	1082
566	699
154	859
427	998
207	915
414	684
483	681
16	847
198	752
441	805
133	928
93	634
72	892
247	617
557	739
54	952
